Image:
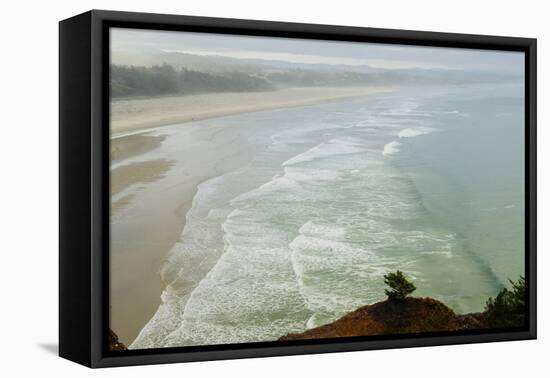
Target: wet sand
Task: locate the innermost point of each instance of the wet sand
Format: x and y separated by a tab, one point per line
150	199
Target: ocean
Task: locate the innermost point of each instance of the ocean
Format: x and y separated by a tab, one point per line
429	181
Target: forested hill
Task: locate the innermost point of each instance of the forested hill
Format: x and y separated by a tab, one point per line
128	81
189	79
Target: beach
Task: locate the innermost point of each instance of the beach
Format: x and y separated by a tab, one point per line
149	207
129	115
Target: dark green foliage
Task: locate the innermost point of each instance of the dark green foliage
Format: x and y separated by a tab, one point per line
127	81
399	285
507	309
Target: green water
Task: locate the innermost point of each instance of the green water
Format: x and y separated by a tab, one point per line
428	181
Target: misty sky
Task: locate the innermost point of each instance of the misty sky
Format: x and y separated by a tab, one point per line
315	51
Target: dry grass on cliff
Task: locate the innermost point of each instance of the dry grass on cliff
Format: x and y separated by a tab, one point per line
410	315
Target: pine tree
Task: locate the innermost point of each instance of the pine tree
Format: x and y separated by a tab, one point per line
399	285
507	309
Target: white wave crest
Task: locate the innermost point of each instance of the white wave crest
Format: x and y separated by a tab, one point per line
331	148
412	132
391	148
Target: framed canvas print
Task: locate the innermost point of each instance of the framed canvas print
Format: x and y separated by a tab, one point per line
234	188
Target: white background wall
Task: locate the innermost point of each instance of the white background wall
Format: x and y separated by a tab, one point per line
29	189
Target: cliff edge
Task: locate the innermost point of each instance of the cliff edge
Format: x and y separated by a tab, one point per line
393	316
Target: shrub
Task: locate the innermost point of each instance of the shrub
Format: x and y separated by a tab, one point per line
399	285
507	309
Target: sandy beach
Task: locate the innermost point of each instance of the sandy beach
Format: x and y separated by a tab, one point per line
140	184
129	115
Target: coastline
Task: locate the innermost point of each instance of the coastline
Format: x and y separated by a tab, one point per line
136	284
131	115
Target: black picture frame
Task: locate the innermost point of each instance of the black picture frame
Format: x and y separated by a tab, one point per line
84	186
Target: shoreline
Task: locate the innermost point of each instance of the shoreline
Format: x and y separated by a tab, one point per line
150	198
131	116
137	209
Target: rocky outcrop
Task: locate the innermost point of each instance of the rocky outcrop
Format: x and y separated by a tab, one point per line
114	343
409	315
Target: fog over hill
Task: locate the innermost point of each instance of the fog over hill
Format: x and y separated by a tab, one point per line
171	72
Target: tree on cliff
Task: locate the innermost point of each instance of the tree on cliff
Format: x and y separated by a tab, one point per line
507	309
399	285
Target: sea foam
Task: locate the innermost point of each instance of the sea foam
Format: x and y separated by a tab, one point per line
412	132
391	148
327	149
